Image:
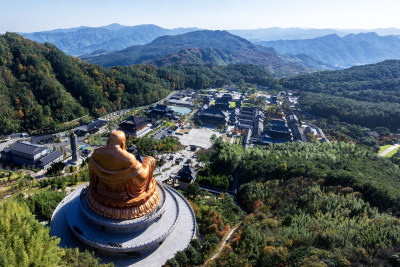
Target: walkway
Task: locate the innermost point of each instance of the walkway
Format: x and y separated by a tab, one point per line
223	243
387	151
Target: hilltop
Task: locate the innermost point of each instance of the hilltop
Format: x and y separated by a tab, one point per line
203	47
86	40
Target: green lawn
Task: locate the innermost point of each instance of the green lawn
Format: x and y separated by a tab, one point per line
383	148
391	153
14	175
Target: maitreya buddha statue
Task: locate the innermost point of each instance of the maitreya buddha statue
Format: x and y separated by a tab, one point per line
120	186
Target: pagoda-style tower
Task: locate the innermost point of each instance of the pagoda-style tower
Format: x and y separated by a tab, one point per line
74	147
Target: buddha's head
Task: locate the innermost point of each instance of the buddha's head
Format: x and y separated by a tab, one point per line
117	138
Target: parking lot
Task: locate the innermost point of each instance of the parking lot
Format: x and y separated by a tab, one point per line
197	137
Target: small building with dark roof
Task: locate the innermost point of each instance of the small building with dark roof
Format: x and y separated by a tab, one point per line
372	133
42	139
186	176
162	111
222	103
298	134
214	116
258	127
275	122
49	159
91	127
280	134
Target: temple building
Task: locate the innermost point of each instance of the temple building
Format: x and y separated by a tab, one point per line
136	126
214	116
162	111
91	127
24	153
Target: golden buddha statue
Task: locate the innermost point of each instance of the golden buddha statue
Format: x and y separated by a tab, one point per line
120	186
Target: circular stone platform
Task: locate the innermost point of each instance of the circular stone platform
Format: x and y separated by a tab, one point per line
120	226
146	241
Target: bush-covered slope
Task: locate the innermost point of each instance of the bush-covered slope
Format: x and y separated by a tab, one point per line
41	87
367	95
311	204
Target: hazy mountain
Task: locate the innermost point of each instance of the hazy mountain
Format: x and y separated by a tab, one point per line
86	40
347	51
204	47
275	33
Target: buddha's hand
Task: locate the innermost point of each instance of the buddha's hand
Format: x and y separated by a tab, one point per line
148	165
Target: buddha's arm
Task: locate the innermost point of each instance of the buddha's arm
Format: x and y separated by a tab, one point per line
145	169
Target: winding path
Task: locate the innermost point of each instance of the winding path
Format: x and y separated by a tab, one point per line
223	243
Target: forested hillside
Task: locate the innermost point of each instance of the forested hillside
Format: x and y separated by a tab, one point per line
41	88
366	95
26	242
331	204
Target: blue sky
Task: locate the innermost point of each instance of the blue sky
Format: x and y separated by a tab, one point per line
38	15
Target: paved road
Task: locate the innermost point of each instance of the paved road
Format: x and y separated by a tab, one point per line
387	151
165	175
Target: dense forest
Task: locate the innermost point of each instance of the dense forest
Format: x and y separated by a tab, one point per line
367	95
41	88
311	204
26	242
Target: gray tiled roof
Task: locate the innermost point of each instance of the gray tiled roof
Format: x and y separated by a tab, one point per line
28	148
50	157
41	138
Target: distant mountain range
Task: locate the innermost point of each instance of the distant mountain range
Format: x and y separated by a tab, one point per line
206	47
86	40
276	33
318	49
347	51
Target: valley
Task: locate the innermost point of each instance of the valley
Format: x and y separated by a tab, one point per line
281	144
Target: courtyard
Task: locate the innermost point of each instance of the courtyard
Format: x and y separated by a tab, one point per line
198	137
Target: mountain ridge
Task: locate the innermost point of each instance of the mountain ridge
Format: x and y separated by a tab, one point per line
347	51
213	45
84	40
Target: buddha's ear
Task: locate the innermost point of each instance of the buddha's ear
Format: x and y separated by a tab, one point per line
123	146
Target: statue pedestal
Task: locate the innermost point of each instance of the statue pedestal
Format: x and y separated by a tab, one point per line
146	241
